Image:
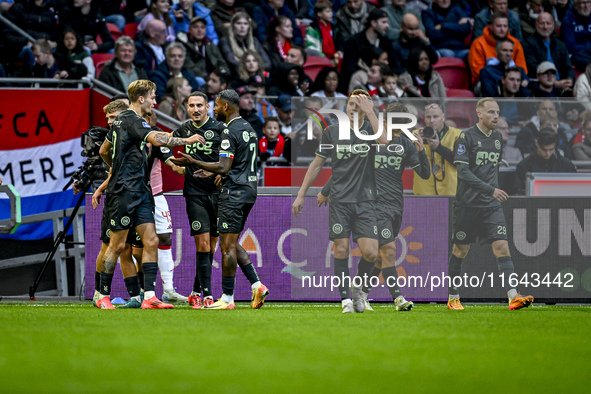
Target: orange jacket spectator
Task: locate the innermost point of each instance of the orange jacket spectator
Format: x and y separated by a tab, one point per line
484	47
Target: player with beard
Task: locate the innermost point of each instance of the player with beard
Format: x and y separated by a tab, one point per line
202	194
237	165
477	210
390	161
129	199
353	193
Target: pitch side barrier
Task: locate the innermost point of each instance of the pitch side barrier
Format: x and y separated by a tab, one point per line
549	238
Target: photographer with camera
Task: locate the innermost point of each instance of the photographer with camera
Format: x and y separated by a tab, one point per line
439	142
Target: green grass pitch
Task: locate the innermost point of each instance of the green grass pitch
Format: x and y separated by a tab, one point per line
74	347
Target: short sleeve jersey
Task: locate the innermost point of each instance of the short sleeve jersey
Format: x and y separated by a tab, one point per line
390	162
352	164
239	142
211	130
482	154
128	136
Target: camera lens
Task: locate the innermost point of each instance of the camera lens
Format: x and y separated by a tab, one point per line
429	132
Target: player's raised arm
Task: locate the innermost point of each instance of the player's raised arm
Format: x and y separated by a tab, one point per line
166	139
365	104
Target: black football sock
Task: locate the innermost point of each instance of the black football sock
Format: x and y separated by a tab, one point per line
374	273
363	270
390	275
228	285
454	268
105	286
97	281
341	271
150	272
250	273
197	282
506	268
132	284
204	270
140	276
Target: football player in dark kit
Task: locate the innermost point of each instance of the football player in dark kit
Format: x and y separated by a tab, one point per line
201	194
477	210
129	198
237	164
390	161
353	192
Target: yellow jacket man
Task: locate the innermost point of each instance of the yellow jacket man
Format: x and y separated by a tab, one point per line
444	177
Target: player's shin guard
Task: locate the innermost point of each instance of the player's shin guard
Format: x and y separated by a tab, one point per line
166	265
204	273
363	269
373	278
506	269
341	271
132	284
228	288
454	268
150	272
197	282
140	276
390	275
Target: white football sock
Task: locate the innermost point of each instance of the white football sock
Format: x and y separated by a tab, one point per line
511	294
452	296
149	294
255	284
166	265
227	298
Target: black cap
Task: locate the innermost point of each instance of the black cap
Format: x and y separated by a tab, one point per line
255	80
244	90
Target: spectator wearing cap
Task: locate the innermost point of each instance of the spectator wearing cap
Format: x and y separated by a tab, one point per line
576	32
544	46
483	18
217	81
202	55
395	12
543	159
351	19
447	27
374	35
185	11
264	14
491	74
172	67
410	37
283	106
248	110
545	86
123	69
264	108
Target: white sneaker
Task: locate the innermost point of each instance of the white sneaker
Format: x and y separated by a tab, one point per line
173	296
347	306
359	298
402	304
367	306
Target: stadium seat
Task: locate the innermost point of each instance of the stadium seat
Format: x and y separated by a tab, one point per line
314	64
115	32
100	59
130	29
303	30
462	112
459	93
453	72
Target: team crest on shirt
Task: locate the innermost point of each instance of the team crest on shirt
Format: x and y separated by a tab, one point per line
225	144
497	144
125	220
461	149
398	149
146	125
208	134
245	136
196	225
364	132
479	144
226	131
337	228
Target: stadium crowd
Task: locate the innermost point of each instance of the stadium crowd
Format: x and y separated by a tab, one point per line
272	50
